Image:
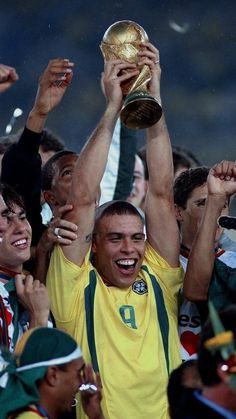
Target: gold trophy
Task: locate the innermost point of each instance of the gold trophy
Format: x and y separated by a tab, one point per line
122	41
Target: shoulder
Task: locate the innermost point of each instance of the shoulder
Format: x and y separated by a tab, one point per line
62	269
151	256
158	270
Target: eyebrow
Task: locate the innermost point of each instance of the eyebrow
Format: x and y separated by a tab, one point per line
12	213
123	234
66	166
5	211
198	201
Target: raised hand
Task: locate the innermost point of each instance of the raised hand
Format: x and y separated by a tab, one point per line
59	231
222	179
8	76
149	55
52	85
91	400
115	73
33	296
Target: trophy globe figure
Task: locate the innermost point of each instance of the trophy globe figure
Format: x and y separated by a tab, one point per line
122	41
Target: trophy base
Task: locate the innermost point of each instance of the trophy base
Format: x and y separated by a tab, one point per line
140	110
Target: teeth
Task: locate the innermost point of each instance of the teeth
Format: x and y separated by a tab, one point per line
126	262
19	242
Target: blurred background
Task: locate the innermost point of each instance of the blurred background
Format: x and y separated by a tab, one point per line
197	43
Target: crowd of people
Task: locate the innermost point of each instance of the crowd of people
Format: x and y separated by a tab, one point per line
111	262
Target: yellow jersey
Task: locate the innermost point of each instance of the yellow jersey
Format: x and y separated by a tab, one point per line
128	335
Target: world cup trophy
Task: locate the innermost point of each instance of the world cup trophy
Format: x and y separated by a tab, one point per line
122	41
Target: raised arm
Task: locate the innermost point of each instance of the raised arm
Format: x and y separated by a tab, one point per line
52	86
117	180
162	229
21	165
221	185
91	163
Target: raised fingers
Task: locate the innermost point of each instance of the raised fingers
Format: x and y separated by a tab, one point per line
115	69
58	70
63	231
7	72
148	49
225	170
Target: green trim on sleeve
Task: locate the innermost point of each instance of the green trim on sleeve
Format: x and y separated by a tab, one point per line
161	314
89	294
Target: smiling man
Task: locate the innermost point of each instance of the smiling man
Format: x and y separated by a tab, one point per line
118	243
23	302
120	304
201	196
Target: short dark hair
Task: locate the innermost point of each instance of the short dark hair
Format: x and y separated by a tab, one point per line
116	207
207	361
187	181
48	170
11	197
184	157
49	141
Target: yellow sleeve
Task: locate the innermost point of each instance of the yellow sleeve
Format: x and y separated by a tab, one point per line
65	283
170	279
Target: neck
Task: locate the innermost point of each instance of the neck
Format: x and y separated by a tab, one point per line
222	395
48	403
46	410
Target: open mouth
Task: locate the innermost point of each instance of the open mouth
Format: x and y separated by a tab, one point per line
126	265
21	243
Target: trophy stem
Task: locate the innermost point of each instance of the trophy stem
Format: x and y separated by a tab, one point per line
140	110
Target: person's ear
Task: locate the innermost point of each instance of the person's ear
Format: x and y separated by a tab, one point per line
49	198
178	213
52	376
94	246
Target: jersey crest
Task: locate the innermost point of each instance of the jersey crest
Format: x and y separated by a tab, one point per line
140	287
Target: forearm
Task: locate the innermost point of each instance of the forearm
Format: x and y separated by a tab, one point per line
36	121
39	319
162	228
97	415
159	159
92	160
202	255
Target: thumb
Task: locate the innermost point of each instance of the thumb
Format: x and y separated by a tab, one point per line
20	283
62	210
